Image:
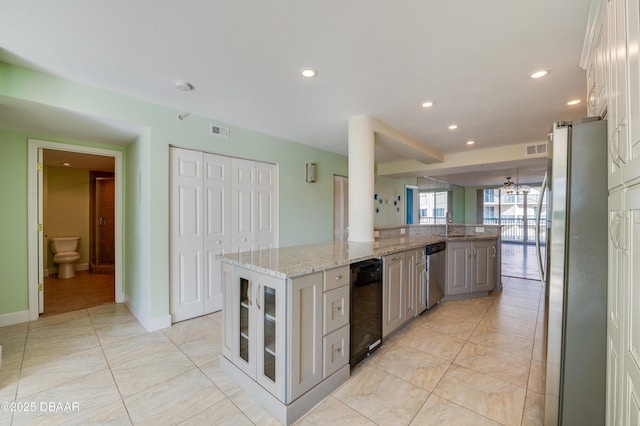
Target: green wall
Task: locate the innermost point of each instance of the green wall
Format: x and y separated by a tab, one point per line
305	209
13	223
388	190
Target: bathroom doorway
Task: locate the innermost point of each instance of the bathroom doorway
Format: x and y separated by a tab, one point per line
72	195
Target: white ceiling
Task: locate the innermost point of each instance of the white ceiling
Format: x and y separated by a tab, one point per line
375	57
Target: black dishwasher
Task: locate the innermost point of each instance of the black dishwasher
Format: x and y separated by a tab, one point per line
366	309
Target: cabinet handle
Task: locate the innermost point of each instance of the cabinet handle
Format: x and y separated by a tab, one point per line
337	308
258	295
495	252
339	277
396	258
249	297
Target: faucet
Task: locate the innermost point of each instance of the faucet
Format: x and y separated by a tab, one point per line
449	219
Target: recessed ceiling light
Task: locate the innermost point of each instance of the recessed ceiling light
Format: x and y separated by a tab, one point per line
427	104
539	74
470	142
453	126
65	164
574	102
183	86
308	72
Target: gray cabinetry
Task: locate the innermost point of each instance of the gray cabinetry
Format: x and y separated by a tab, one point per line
471	267
393	288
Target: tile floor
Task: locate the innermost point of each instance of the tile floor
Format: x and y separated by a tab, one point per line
468	362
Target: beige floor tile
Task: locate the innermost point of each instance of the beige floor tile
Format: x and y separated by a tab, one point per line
495	363
533	413
536	377
174	400
412	365
456	326
332	412
77	340
517	302
516	312
67	319
132	348
111	414
111	313
440	412
204	348
496	322
9	375
434	343
192	330
250	408
381	397
90	392
143	372
219	378
494	398
59	369
13	338
109	333
509	343
220	413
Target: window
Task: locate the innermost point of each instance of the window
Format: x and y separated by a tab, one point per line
433	207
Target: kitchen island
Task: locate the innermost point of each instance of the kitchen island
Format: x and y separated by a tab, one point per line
286	314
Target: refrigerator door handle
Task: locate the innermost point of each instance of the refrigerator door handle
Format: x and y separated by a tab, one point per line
539	230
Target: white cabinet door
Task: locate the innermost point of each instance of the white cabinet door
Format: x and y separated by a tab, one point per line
631	169
458	271
421	282
483	266
393	284
631	313
305	334
270	333
410	298
266	213
243	204
615	305
217	225
187	251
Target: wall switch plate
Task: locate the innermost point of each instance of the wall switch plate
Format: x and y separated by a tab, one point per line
479	229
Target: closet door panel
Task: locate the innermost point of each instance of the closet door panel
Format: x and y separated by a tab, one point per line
217	225
266	206
243	201
187	251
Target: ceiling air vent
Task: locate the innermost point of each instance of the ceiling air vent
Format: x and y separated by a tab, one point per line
214	129
536	149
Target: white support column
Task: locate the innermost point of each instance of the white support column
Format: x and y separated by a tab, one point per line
361	178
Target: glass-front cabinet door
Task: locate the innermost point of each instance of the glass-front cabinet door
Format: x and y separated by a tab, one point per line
270	319
244	329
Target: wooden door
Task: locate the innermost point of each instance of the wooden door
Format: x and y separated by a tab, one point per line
186	253
102	235
217	225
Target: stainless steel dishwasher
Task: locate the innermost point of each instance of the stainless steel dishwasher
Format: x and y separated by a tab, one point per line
436	264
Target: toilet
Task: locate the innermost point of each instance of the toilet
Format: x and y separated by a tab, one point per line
65	254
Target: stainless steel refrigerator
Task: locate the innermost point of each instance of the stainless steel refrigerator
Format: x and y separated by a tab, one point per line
576	290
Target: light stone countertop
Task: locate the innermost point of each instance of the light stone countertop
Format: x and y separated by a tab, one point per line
294	261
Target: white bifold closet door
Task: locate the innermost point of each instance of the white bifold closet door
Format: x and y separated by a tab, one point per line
218	204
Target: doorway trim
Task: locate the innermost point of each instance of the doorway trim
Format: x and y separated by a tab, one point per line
34	235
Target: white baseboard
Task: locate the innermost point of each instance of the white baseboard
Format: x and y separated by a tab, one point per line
150	324
14	318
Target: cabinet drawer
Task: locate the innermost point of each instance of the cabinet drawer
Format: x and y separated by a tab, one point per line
336	277
336	309
335	347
